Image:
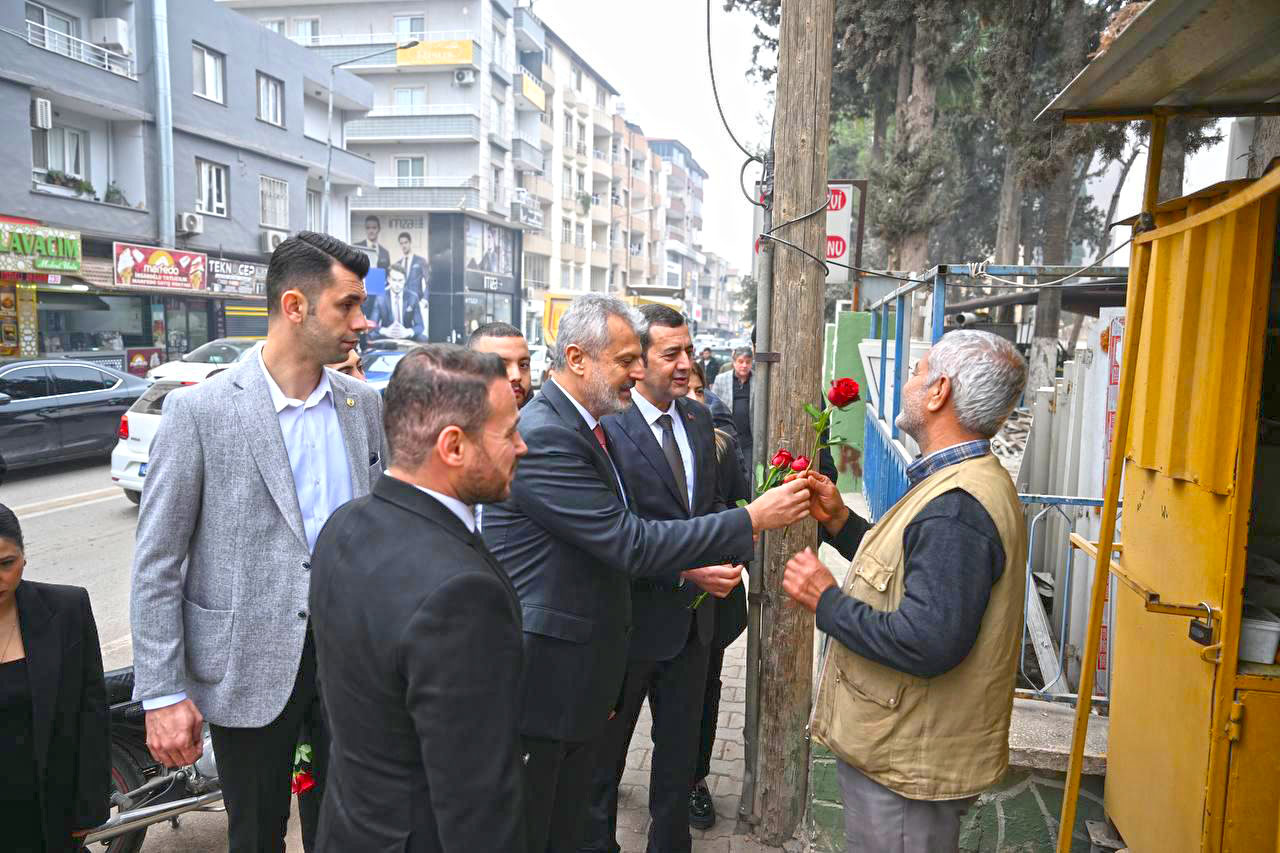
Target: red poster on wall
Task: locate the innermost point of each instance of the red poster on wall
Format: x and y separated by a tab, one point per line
153	266
138	360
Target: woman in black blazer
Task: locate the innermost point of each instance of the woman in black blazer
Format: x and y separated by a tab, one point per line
54	738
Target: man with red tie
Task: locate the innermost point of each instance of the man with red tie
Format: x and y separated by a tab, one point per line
572	547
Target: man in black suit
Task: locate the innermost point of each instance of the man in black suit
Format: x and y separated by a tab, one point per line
572	547
417	628
710	364
397	313
372	229
667	459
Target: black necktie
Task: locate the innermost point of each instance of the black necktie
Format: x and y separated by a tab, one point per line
671	450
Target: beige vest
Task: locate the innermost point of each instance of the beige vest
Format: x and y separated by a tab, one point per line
940	738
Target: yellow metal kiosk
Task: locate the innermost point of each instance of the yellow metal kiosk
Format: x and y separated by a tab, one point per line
1194	749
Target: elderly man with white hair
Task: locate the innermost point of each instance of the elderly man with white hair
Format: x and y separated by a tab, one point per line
916	692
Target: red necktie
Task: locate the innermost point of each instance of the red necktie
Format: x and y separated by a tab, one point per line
599	431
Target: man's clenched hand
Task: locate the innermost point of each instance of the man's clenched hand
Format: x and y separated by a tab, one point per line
805	579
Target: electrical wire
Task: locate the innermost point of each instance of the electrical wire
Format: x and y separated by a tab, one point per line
716	93
742	173
825	204
979	271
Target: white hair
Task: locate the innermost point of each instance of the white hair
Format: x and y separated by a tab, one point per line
987	377
586	325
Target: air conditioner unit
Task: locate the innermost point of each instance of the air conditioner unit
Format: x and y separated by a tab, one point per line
464	76
190	223
41	113
111	33
270	240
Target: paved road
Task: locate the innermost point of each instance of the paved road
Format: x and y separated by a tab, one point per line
79	530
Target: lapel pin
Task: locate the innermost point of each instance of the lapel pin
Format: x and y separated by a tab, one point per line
351	404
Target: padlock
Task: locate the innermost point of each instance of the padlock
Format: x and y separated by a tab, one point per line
1202	632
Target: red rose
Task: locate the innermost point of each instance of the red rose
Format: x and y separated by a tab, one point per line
801	464
781	459
842	392
302	781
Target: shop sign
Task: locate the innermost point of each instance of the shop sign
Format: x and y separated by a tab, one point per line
141	359
242	277
152	266
8	320
446	52
839	226
28	248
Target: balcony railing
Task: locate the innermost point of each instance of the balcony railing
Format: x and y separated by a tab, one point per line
79	50
424	110
433	181
383	38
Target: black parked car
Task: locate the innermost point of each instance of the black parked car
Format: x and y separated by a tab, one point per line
56	408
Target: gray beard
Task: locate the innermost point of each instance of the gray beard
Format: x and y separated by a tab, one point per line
601	398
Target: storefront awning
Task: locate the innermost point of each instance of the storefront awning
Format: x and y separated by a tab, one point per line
59	301
1182	57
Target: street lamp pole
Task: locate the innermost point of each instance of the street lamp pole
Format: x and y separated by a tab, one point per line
333	71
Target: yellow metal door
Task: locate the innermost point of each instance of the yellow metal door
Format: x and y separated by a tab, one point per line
1187	491
1253	793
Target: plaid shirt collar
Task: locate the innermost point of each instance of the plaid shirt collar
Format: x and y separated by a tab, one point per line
926	466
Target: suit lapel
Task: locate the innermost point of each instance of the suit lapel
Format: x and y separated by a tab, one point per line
641	434
44	664
258	415
703	475
560	403
351	420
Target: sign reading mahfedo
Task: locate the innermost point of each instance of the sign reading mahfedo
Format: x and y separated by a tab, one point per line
153	266
37	249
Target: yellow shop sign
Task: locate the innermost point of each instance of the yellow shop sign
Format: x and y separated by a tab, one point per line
449	52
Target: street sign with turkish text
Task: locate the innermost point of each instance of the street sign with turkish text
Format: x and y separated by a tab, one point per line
839	226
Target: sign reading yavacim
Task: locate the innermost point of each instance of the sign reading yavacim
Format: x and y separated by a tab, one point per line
37	249
152	266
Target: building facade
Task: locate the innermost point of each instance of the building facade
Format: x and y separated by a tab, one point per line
175	180
455	134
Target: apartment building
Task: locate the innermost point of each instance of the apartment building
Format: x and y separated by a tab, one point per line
456	126
173	180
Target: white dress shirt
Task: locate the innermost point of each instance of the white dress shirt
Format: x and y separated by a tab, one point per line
592	422
318	459
464	513
651	413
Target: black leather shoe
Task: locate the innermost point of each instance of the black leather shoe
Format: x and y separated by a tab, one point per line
702	812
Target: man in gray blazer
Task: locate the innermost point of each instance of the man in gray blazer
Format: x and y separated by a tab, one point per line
245	469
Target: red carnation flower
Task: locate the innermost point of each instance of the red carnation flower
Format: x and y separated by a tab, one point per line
842	392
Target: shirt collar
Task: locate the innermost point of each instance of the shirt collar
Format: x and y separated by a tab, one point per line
926	466
592	421
648	410
464	513
281	401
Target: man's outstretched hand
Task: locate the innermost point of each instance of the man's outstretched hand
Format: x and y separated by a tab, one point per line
717	580
782	505
805	579
825	503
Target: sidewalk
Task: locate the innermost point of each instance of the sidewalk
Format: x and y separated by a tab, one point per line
727	764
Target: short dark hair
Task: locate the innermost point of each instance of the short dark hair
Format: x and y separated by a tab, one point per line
741	351
493	330
658	315
436	386
375	220
405	235
9	527
305	261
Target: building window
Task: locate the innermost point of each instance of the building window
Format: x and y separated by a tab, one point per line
566	183
273	195
568	132
601	97
410	27
577	78
211	188
58	33
497	120
536	270
270	100
582	138
315	210
579	236
577	277
582	182
207	68
564	275
410	100
548	54
276	25
61	149
495	191
306	30
566	231
500	48
411	171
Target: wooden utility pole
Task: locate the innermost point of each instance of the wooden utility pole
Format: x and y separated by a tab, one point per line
801	133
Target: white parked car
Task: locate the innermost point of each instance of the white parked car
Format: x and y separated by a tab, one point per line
538	362
137	429
205	360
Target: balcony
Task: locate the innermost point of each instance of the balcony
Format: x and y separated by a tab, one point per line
599	257
676	233
432	122
500	137
620	171
80	51
526	153
618	256
530	34
638	265
580	153
531	95
497	201
537	243
616	210
539	188
437	49
568	96
675	207
600	164
547	135
602	121
581	105
696	221
599	210
500	71
430	193
639	189
579	253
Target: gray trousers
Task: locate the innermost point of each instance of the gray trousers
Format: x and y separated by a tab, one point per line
877	820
